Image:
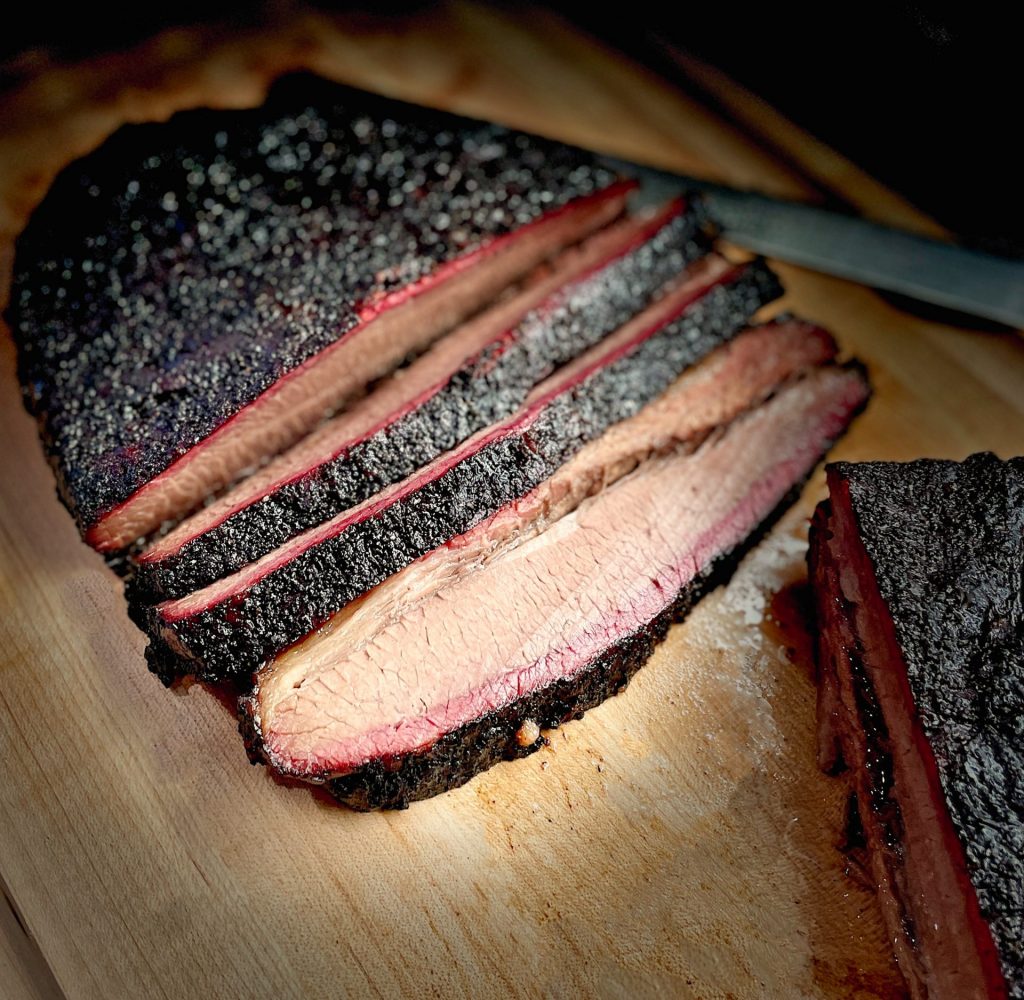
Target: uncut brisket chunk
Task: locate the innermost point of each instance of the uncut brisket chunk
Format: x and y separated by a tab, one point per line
195	295
540	612
235	624
469	380
918	570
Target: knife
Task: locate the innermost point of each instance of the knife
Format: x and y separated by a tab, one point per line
848	246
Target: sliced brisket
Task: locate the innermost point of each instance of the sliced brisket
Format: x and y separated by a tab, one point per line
918	571
468	381
235	624
544	610
195	295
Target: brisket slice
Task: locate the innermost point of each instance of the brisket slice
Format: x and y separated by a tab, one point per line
539	613
918	572
235	624
195	295
468	381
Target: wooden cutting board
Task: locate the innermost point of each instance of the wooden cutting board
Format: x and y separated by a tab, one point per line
677	842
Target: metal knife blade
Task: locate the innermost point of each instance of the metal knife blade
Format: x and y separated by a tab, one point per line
851	247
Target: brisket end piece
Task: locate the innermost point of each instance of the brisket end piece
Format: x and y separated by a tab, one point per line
234	625
395	781
918	571
468	381
542	611
195	295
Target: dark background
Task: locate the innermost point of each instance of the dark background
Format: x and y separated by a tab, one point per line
925	96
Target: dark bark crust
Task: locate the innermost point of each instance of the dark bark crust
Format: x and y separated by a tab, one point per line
392	783
234	637
176	273
946	541
486	389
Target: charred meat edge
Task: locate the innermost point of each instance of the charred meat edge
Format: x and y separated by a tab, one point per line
200	261
629	266
299	400
238	623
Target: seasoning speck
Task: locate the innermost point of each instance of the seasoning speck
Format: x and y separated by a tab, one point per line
528	734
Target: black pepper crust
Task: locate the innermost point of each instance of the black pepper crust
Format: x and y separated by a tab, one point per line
237	635
173	275
458	756
485	389
946	542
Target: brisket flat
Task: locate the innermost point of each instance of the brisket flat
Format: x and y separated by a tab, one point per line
918	571
236	624
468	381
196	295
549	607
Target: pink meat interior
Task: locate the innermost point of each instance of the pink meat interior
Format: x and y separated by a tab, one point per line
451	639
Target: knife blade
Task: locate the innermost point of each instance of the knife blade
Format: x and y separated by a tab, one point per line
851	247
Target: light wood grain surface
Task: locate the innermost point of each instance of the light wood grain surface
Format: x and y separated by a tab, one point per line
677	842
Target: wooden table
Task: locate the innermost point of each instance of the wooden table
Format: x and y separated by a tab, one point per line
678	842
